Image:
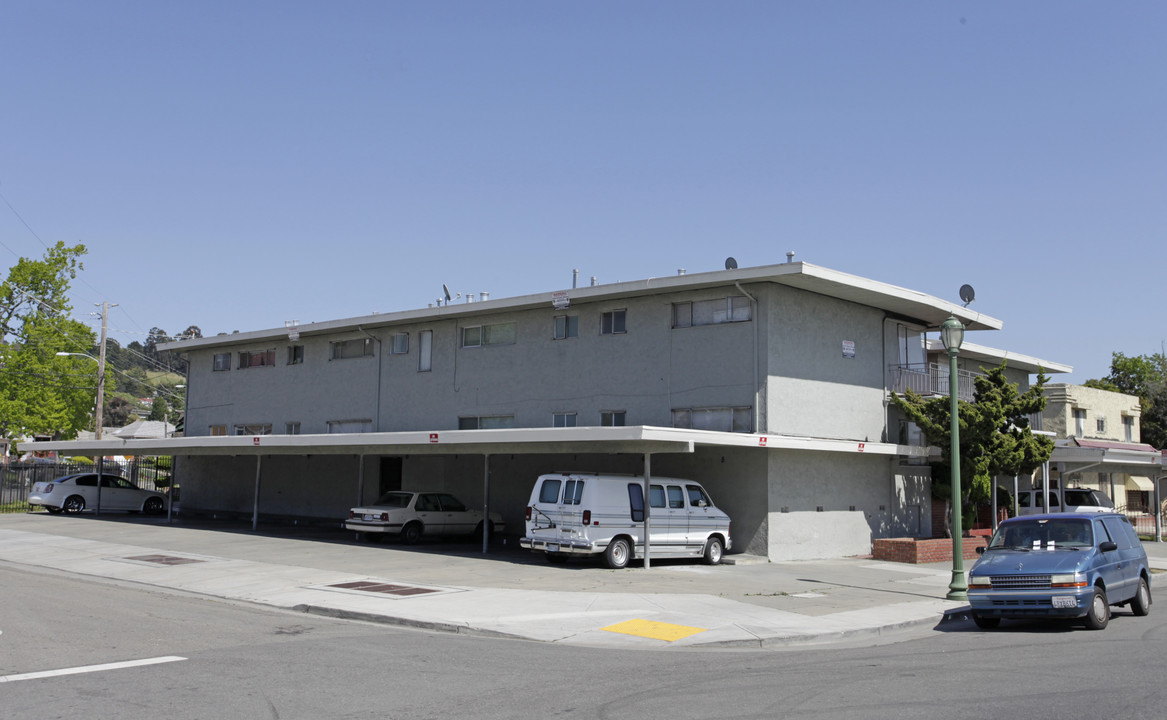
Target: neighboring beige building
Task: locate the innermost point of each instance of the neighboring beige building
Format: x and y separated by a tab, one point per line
1097	432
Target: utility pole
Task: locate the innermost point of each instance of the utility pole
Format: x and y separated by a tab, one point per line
101	371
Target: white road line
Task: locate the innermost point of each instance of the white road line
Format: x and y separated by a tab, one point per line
90	668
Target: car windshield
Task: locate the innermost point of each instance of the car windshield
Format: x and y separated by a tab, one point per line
395	499
1044	534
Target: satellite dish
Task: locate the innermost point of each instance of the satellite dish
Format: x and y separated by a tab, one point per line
730	264
967	294
446	291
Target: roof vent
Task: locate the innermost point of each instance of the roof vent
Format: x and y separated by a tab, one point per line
789	256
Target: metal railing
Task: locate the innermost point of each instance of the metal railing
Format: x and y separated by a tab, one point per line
17	479
931	379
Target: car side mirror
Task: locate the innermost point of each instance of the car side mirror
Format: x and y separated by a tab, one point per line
1108	546
981	549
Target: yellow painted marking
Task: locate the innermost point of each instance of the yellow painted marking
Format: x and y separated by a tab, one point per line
654	630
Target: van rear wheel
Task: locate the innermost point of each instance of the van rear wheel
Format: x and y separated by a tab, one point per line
1141	604
713	551
618	554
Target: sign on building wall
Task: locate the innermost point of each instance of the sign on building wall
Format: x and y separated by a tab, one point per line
849	349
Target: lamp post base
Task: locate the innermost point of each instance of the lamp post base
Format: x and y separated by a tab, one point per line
958	588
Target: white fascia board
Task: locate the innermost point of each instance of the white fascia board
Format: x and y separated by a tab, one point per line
925	308
1106	459
1028	363
632	439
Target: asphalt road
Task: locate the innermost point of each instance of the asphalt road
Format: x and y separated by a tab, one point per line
221	660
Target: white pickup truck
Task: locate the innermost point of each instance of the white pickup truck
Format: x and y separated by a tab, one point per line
1075	500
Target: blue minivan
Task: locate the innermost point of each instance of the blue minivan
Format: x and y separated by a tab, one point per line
1064	565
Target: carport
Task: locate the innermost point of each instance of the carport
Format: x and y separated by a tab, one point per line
644	441
1107	456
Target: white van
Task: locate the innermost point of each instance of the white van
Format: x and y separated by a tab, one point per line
588	514
1076	500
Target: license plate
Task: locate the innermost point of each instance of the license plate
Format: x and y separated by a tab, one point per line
552	547
368	518
1065	601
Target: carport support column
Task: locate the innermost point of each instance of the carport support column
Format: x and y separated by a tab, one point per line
647	510
1158	511
485	503
361	479
255	504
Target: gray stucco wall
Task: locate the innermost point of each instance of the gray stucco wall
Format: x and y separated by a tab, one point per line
646	372
814	388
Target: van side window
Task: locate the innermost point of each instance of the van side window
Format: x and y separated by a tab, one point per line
1023	500
572	492
656	496
697	496
676	497
549	493
636	501
1115	530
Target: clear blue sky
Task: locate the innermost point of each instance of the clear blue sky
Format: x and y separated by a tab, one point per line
235	165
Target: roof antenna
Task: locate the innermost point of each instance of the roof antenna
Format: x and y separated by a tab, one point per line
446	292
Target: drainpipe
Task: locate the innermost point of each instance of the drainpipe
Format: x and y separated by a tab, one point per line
757	380
380	358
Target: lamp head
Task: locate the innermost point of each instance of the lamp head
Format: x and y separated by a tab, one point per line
952	333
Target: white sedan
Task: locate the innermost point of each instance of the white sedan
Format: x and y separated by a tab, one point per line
410	515
74	493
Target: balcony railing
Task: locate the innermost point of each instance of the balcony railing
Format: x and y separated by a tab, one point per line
931	379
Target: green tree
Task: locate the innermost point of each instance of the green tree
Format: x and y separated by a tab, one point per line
159	409
1144	376
41	392
995	437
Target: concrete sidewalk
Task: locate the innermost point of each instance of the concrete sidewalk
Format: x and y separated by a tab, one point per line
507	593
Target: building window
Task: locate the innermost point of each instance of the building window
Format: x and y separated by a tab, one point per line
613	322
485	422
613	418
399	344
425	350
345	349
566	326
724	419
1138	501
1128	428
735	308
1100	424
1079	422
222	361
350	426
218	430
292	428
563	420
253	429
262	358
295	354
499	334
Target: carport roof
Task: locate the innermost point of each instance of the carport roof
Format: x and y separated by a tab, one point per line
633	439
1077	455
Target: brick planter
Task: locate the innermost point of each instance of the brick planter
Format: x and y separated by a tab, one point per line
930	550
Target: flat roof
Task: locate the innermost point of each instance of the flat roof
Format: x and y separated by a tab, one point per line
633	439
1028	363
925	309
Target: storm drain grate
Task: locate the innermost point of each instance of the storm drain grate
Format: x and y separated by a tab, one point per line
383	588
163	559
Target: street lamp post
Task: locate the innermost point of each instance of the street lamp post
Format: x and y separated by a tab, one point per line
97	414
952	335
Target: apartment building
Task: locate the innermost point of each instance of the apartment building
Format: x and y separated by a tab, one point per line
770	385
